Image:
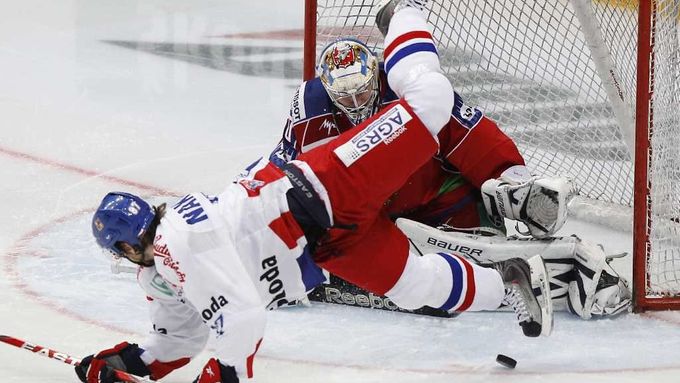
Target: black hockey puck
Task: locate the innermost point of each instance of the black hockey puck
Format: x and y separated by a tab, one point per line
506	361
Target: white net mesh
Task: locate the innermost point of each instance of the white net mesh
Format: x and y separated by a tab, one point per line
529	66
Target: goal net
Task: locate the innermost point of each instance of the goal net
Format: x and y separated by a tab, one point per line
561	78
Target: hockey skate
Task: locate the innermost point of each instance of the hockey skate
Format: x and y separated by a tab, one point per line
387	8
527	291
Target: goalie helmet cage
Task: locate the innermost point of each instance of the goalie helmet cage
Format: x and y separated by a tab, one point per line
586	88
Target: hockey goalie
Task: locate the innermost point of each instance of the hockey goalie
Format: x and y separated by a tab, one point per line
477	180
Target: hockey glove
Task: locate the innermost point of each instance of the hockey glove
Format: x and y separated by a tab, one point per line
99	368
538	202
216	372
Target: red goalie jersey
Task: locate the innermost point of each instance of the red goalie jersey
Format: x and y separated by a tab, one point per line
446	189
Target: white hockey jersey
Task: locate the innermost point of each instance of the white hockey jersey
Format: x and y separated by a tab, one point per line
220	263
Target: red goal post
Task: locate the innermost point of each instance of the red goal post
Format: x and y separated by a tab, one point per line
650	231
587	88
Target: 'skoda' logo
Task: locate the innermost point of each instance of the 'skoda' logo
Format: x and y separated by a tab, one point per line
215	305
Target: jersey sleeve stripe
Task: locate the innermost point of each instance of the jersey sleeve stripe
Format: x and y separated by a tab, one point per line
407	51
404	38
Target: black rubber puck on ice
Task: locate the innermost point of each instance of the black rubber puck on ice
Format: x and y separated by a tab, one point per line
506	361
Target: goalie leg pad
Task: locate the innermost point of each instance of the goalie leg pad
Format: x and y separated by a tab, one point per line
557	253
597	289
576	268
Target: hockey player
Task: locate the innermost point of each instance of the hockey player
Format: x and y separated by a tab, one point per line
474	153
476	179
212	266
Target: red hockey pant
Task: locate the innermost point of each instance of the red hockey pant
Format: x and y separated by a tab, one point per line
360	170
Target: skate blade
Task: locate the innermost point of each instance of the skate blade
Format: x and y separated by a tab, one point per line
540	280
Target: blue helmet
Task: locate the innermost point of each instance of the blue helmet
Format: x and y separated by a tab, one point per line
121	217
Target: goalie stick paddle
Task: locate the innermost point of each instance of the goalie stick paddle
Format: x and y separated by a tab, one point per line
53	354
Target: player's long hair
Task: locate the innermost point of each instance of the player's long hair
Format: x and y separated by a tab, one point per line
148	237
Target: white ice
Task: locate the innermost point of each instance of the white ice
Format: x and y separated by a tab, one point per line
80	117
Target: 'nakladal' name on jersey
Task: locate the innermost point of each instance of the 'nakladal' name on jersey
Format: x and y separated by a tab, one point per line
190	209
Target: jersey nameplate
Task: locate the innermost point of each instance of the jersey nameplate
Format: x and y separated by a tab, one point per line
190	210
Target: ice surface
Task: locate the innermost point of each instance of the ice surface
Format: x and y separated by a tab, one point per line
80	117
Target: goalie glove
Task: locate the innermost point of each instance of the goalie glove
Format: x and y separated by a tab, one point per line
597	289
538	202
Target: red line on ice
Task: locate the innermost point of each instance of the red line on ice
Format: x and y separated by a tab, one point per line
20	249
82	171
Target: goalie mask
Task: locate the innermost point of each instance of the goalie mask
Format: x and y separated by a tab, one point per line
121	219
349	72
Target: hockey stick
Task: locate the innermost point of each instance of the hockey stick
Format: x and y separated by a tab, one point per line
53	354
